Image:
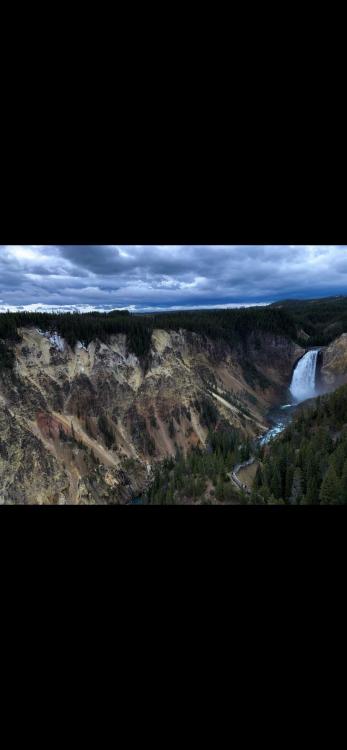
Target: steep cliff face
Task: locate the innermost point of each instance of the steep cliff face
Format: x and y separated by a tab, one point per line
333	372
274	358
87	425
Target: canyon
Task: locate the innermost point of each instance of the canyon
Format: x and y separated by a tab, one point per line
88	424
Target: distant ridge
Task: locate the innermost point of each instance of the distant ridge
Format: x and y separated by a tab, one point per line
41	308
304	301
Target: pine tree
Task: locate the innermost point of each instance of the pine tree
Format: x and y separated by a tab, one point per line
338	459
312	494
276	483
258	479
330	489
288	482
296	491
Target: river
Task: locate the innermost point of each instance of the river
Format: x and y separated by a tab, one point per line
302	387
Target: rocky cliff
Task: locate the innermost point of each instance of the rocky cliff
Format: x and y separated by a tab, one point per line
87	425
333	372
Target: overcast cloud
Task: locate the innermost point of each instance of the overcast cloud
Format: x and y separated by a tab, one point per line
141	277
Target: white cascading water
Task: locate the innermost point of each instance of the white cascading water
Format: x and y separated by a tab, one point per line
303	383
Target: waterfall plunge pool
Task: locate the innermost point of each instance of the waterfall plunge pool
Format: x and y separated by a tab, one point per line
302	387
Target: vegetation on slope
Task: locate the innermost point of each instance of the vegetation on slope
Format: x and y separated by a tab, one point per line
323	320
8	336
230	326
203	476
308	463
6	356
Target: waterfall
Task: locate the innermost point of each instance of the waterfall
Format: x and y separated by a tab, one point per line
303	383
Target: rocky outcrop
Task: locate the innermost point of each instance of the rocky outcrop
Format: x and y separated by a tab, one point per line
88	425
333	370
29	472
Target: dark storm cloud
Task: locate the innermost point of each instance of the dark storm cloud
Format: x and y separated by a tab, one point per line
98	259
165	276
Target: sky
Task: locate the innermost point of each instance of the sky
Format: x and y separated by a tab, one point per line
149	277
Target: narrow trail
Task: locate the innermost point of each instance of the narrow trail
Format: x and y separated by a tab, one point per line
234	472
